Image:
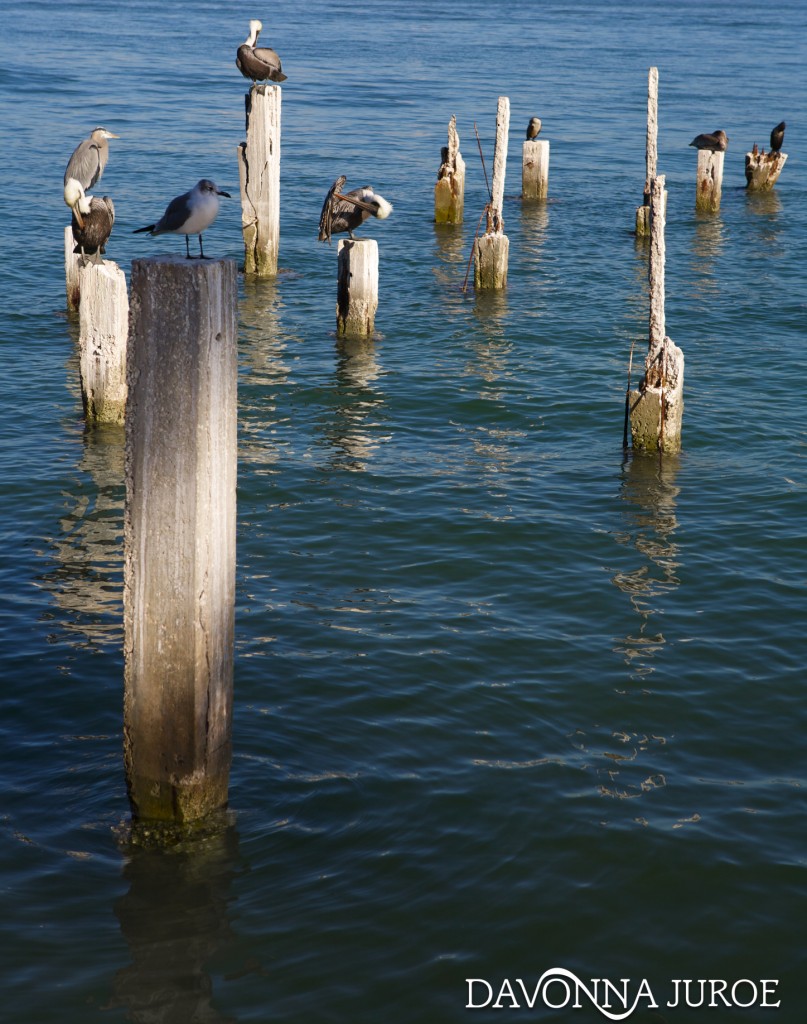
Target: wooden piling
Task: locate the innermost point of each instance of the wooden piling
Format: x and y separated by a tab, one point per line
72	266
651	152
491	251
357	286
710	180
103	331
259	173
449	192
179	536
535	169
763	169
656	409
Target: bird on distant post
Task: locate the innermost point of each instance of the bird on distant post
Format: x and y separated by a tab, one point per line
258	63
345	212
717	142
534	128
91	222
89	158
778	137
189	214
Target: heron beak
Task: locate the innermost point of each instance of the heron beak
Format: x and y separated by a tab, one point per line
356	202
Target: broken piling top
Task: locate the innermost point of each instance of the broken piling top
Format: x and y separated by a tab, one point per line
651	152
449	192
762	169
259	173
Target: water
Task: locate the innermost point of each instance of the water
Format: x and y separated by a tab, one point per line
505	701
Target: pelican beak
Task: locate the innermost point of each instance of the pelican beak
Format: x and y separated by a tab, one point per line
356	202
77	215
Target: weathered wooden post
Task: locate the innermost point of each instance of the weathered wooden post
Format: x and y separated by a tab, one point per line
656	408
535	163
357	286
492	249
259	173
763	169
179	536
449	192
71	271
651	152
710	180
103	330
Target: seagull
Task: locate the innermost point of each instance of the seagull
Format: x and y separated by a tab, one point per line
87	163
258	62
91	222
189	214
717	142
345	212
534	128
778	137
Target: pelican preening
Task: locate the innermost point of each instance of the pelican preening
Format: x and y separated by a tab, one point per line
717	142
258	63
91	222
87	163
345	212
778	137
189	214
534	128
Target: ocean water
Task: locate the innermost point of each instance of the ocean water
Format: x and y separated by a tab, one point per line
506	700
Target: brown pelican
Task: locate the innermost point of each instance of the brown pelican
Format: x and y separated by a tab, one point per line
189	214
717	142
258	63
89	158
778	137
91	222
345	212
534	128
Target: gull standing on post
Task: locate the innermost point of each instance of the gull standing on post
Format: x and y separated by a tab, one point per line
189	214
346	212
91	222
258	63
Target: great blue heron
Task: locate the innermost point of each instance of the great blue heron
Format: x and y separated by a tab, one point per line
89	158
778	137
345	212
717	142
189	214
258	63
534	128
91	222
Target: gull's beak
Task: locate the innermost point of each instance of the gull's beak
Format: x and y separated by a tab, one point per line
219	192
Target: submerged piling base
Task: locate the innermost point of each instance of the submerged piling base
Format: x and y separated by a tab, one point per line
656	409
763	169
490	261
710	181
104	327
535	169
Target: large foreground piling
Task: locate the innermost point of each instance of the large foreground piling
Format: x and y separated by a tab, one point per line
103	330
179	574
763	169
356	286
710	180
259	173
656	408
651	152
449	192
72	266
492	249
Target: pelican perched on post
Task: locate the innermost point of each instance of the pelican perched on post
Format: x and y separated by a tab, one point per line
258	63
89	158
91	222
345	212
189	214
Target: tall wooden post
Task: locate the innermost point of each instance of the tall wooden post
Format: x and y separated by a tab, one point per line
104	328
763	169
535	169
449	192
72	266
710	180
357	286
259	173
651	152
179	540
492	249
656	409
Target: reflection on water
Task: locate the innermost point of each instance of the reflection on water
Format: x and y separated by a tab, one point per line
348	431
766	207
708	243
534	225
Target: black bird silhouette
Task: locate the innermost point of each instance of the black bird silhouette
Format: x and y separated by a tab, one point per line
777	137
717	142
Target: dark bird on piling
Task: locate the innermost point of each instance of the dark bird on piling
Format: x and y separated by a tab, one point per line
89	158
717	142
91	222
189	214
258	63
346	211
534	128
778	137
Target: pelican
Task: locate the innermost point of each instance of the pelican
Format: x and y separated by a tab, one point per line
717	142
91	222
534	128
189	214
345	212
778	137
89	158
258	62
